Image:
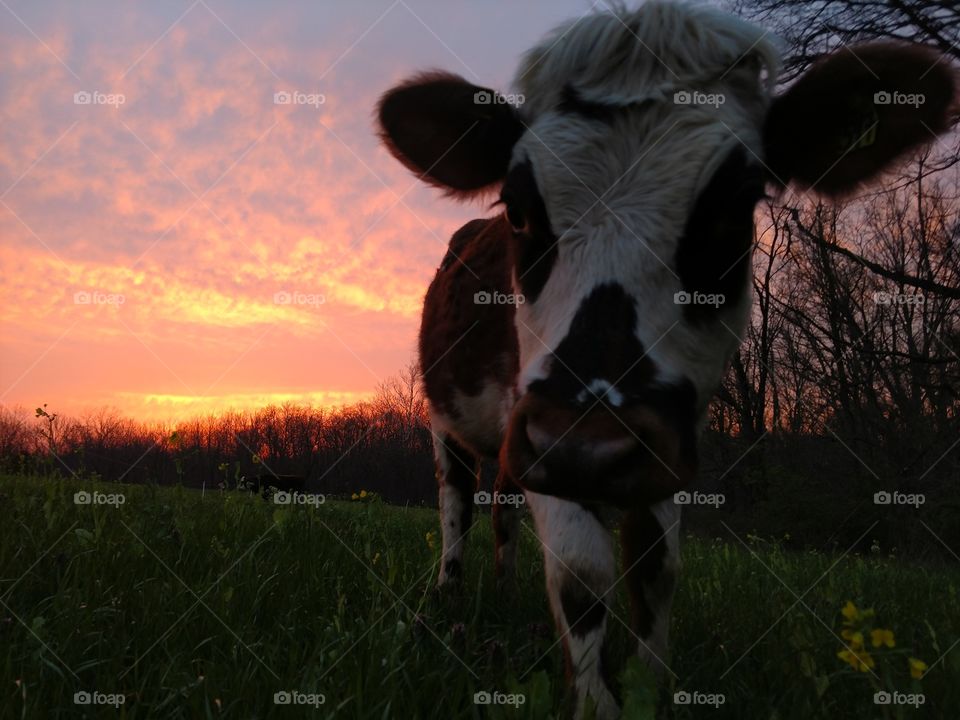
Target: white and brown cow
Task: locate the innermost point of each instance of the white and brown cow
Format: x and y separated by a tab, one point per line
627	181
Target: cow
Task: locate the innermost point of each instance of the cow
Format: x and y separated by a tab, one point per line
578	334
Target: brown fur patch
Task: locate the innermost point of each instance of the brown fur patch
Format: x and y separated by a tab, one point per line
464	345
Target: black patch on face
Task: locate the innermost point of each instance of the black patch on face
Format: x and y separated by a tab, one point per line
644	549
571	102
713	255
601	343
534	246
582	609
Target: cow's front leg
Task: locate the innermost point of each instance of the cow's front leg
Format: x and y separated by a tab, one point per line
650	544
580	564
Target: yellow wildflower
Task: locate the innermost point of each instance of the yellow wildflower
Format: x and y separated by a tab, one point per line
354	496
850	612
857	659
430	543
854	638
917	668
363	493
879	637
853	614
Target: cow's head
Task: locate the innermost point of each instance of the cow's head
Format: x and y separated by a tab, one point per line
629	175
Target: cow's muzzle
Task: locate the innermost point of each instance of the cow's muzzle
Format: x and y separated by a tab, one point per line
635	454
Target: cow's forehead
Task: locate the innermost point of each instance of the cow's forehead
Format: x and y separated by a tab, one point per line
603	121
638	175
624	57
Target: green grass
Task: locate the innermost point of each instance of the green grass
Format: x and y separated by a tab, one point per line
205	606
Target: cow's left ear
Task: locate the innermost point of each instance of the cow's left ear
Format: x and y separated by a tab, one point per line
451	133
857	111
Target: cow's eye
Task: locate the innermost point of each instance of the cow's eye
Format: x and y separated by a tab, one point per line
516	218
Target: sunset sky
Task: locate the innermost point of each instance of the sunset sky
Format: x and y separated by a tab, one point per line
147	246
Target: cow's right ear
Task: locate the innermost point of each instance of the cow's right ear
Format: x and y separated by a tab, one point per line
853	114
451	133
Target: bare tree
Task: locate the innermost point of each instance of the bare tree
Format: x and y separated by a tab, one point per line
810	28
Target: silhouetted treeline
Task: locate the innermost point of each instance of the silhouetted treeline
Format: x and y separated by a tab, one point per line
382	446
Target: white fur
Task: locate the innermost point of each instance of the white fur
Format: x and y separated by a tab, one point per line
451	505
479	420
646	54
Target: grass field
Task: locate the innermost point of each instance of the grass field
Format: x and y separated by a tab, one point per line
207	605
